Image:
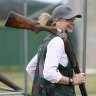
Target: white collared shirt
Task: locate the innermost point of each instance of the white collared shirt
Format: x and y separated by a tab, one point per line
55	55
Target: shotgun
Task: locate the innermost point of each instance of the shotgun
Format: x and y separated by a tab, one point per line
15	20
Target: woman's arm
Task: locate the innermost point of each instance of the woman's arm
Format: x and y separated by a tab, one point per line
77	79
31	67
55	50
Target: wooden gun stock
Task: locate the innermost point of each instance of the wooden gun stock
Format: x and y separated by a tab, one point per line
18	21
15	20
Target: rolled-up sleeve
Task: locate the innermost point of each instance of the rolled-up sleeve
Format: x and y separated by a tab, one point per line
55	50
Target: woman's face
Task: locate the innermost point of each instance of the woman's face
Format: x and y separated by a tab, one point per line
66	24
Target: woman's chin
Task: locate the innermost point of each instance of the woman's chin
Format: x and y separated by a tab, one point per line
70	30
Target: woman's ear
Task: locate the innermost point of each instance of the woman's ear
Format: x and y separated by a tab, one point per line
57	21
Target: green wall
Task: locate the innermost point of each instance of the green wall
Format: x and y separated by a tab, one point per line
12	46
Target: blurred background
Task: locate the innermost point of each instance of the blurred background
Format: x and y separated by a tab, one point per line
18	46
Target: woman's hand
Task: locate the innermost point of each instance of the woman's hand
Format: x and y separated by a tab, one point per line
79	79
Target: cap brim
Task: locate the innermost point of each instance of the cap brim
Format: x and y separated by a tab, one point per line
72	16
78	16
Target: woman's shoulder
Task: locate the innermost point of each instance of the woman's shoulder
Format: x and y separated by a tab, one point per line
56	40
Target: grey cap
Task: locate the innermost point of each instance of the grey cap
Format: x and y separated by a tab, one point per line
64	11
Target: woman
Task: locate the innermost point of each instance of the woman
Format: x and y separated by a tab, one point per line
51	63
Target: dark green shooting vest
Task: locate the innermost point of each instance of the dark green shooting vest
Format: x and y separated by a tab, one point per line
42	87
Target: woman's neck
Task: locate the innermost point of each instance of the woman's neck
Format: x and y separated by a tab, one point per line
59	30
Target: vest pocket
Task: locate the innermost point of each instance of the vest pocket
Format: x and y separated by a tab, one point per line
46	88
42	90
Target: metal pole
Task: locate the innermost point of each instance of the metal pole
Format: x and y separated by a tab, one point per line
25	51
84	36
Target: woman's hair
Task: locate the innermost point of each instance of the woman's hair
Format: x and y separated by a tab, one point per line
45	19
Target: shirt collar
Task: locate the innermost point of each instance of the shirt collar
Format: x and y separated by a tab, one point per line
61	33
59	30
